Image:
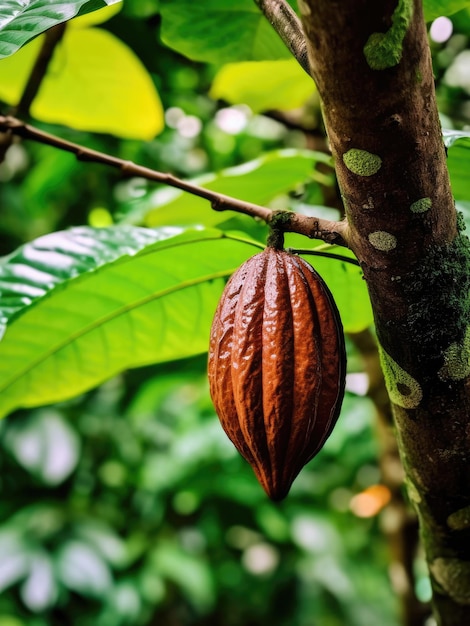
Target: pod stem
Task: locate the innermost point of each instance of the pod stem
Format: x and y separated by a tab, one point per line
277	225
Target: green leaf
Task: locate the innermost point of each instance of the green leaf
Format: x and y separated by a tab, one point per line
436	8
22	20
220	32
458	162
263	85
94	82
82	305
258	181
141	8
348	288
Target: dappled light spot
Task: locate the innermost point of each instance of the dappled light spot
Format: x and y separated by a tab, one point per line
441	29
371	501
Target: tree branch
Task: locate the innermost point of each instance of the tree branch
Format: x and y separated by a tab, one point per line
289	28
330	231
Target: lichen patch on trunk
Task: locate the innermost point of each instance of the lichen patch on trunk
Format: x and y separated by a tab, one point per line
402	388
362	162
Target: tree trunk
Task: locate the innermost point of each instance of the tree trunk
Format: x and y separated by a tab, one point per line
371	63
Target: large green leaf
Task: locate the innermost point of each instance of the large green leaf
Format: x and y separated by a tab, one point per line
436	8
258	181
82	305
95	82
22	20
263	85
348	287
220	32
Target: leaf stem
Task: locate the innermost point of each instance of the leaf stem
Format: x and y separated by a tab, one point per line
324	253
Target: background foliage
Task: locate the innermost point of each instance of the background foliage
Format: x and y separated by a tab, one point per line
126	505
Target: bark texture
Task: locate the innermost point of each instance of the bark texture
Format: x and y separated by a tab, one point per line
371	63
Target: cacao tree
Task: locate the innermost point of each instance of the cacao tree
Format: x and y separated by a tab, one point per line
81	305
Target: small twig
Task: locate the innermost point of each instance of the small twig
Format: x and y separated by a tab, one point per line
289	28
329	231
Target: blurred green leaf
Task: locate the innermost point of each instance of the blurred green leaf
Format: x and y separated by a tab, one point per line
14	562
215	32
258	181
436	8
357	415
81	569
141	8
458	162
94	82
45	445
104	541
188	571
85	304
21	20
263	85
10	620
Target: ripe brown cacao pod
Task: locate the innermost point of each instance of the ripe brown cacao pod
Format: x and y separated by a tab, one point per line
277	365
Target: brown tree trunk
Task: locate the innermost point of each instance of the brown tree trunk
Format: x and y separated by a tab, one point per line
371	63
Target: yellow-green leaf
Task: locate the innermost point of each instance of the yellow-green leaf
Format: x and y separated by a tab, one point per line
96	17
94	82
263	85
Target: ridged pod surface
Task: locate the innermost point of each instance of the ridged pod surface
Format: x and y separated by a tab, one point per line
277	365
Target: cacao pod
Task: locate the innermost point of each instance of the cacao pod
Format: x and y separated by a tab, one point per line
277	365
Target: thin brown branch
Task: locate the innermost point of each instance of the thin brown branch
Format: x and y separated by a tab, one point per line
31	88
329	231
289	28
39	69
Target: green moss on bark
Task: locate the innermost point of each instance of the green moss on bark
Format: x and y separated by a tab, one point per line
439	289
384	50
